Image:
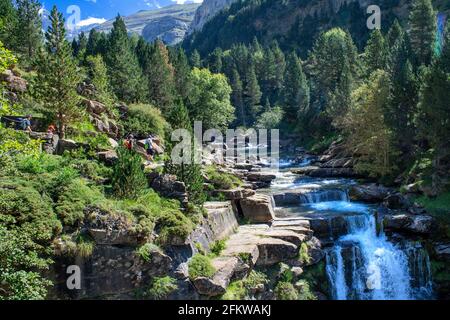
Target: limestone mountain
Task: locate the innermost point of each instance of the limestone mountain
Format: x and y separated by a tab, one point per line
207	10
168	23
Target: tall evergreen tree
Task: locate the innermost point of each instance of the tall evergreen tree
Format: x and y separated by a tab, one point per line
195	59
422	21
58	75
394	34
161	78
376	54
295	90
215	61
252	95
237	99
434	107
8	20
125	73
98	76
28	35
182	69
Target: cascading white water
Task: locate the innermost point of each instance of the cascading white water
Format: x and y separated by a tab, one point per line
378	269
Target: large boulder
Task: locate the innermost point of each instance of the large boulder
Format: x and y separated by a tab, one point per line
257	208
216	285
396	201
234	194
108	229
168	186
95	107
13	81
66	145
407	223
261	177
369	193
108	157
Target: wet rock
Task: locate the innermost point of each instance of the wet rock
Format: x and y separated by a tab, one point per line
315	251
333	173
372	193
442	251
272	251
396	201
257	208
182	271
305	170
261	177
420	224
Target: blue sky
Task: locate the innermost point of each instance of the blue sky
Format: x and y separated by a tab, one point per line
96	11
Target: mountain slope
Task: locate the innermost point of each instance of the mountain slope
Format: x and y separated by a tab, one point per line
168	24
293	23
206	11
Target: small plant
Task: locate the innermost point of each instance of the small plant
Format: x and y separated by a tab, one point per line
285	291
254	279
304	292
235	291
222	180
145	251
303	254
217	247
286	275
162	287
85	246
200	266
245	257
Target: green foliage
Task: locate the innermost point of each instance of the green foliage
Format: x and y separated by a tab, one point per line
98	75
375	53
217	247
19	267
13	142
124	71
286	275
369	139
28	34
270	119
285	291
437	206
57	73
7	59
304	292
144	119
235	291
209	101
162	287
128	178
222	180
254	279
422	20
145	251
303	254
200	266
85	246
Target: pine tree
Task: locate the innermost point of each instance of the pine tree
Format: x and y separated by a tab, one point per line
8	20
28	35
334	65
98	75
182	73
376	53
394	34
295	89
434	108
422	21
125	73
280	66
128	178
252	95
81	47
58	75
237	99
161	78
215	61
93	46
195	59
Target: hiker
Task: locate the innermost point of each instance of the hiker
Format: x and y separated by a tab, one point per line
149	147
51	129
26	123
129	142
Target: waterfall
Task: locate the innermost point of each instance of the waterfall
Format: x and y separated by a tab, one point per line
324	196
377	269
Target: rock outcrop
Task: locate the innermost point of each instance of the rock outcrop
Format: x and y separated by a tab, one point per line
408	223
207	10
257	208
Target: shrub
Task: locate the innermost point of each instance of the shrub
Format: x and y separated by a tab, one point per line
304	292
162	287
303	254
235	291
128	178
144	252
200	266
85	245
270	119
254	279
144	119
222	180
217	247
286	275
285	291
73	199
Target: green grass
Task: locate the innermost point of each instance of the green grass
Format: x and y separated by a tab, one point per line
235	291
222	180
217	247
162	287
438	207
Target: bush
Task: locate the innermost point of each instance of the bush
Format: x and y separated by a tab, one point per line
254	279
222	180
235	291
144	119
304	292
303	254
217	247
128	178
200	266
144	252
161	288
73	199
85	245
270	119
285	291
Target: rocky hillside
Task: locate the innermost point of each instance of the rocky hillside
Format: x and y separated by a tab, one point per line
168	24
206	11
293	23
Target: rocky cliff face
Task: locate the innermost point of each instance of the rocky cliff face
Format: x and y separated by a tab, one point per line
206	11
168	24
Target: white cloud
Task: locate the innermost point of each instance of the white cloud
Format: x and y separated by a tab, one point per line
89	21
